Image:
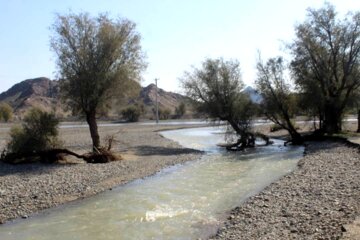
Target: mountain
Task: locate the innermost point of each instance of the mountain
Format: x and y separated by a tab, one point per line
165	99
37	92
44	93
253	94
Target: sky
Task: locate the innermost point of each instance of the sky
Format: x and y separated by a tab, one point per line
176	34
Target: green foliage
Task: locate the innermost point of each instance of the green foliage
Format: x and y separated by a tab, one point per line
326	63
216	90
215	87
99	60
6	112
180	110
278	104
164	114
131	113
39	131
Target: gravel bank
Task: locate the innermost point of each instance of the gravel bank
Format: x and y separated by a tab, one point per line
316	201
26	189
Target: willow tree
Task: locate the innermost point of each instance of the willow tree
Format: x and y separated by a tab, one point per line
99	59
278	102
326	54
216	88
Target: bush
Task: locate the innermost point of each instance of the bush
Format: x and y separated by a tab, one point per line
131	114
38	132
6	112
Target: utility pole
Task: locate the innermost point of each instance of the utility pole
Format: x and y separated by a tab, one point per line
157	104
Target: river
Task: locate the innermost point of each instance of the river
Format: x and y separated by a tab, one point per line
181	202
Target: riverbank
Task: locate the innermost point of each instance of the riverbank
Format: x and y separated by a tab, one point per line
316	201
27	189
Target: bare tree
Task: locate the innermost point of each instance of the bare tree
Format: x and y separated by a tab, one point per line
278	103
98	59
327	56
216	90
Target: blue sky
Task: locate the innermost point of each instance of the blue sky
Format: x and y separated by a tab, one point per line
176	34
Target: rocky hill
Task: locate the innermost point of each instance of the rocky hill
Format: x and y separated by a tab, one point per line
44	93
166	99
37	92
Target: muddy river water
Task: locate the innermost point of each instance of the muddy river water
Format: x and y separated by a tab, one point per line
181	202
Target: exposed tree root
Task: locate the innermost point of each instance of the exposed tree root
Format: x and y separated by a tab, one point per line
57	154
247	141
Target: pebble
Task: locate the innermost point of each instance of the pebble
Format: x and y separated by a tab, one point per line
315	201
29	188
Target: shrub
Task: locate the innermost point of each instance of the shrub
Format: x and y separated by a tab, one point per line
131	113
38	132
6	112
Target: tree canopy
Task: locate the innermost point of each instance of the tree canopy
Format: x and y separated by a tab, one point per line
326	60
216	88
278	104
99	59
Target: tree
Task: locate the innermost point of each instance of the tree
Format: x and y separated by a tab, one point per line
326	58
311	108
98	59
131	113
216	89
6	112
180	110
278	103
164	113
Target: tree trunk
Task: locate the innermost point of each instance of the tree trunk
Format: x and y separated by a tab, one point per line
332	119
358	130
246	139
314	122
91	120
321	119
296	138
